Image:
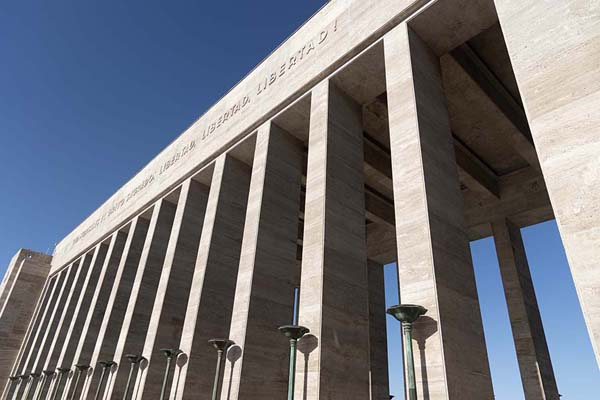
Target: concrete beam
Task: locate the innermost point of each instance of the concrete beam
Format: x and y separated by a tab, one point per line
495	90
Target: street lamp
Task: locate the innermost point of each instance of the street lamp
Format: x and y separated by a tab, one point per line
407	314
170	354
221	345
106	365
293	333
48	374
61	372
80	370
134	360
32	378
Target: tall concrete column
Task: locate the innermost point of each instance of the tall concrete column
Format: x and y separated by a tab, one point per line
51	329
554	52
378	356
33	351
434	260
68	314
268	272
31	330
334	299
143	292
537	374
116	306
30	353
22	288
97	308
210	306
168	312
65	360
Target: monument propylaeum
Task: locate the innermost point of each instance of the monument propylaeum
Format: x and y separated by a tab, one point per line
380	131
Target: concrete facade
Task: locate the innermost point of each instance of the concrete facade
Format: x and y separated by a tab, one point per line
379	132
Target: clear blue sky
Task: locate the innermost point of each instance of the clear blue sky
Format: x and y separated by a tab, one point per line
91	91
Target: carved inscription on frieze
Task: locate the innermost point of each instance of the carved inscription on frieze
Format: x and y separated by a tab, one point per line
148	181
274	75
277	74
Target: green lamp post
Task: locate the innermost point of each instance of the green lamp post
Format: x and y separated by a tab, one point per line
106	365
33	378
293	333
134	360
170	354
221	345
21	378
80	369
48	374
407	314
61	373
13	379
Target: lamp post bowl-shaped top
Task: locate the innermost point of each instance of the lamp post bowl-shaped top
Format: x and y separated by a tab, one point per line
293	331
134	358
170	353
407	313
221	344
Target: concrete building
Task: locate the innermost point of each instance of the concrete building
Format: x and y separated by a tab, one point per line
381	131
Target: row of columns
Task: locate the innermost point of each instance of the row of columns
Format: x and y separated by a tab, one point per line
219	258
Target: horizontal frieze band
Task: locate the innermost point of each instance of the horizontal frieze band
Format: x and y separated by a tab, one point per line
332	36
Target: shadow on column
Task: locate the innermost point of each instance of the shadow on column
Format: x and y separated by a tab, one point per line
234	354
307	345
423	329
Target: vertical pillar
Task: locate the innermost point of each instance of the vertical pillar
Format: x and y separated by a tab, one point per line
29	335
97	308
268	273
65	359
21	289
537	374
143	292
334	300
434	260
213	287
116	306
68	313
170	304
554	53
378	374
26	366
70	272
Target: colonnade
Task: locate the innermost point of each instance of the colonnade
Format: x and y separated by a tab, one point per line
222	254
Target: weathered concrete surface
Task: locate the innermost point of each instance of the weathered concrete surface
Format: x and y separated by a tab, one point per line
65	360
434	259
210	305
334	301
268	273
20	294
68	313
554	51
116	306
170	302
135	324
535	365
93	319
